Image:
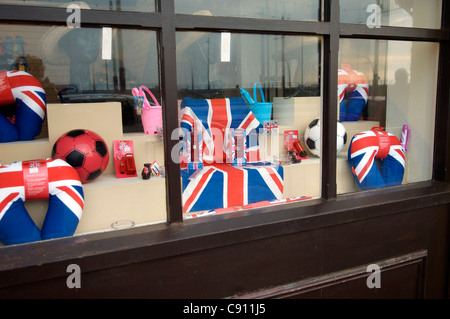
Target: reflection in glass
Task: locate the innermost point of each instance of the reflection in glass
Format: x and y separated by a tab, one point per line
402	84
286	65
398	13
70	65
280	10
245	102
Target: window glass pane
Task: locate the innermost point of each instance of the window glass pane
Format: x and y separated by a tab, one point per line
395	13
244	160
280	10
87	76
388	84
71	64
126	5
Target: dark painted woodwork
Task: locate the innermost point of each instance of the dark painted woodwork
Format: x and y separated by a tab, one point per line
311	247
233	254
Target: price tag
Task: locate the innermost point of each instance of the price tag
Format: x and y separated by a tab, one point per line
35	179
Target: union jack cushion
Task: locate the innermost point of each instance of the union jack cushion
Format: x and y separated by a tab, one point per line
368	146
354	85
41	179
222	186
27	92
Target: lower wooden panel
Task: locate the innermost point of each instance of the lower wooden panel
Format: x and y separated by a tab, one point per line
330	261
400	277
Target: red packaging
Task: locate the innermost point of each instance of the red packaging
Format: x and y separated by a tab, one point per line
35	179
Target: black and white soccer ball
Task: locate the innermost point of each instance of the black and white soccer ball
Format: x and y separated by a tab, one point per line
312	137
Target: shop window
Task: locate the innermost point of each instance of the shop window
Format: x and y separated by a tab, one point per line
393	13
78	66
236	149
127	5
280	10
87	77
236	153
390	86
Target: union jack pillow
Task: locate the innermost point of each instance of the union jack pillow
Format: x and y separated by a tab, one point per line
363	151
27	92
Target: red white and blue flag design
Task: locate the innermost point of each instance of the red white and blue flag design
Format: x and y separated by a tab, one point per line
27	92
222	185
354	84
214	117
249	206
367	146
64	192
218	184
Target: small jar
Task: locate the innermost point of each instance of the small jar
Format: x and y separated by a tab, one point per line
146	172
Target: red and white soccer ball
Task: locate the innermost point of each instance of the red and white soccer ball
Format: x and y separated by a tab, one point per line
84	150
312	137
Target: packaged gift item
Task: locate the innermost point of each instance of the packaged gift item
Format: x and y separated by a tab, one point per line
124	159
294	148
270	126
156	169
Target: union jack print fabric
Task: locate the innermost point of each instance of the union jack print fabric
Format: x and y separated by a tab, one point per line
368	146
249	206
65	206
218	184
222	185
27	92
214	117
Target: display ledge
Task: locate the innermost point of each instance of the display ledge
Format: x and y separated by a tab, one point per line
49	259
112	203
147	148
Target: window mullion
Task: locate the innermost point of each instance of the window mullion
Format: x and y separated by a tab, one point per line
170	109
329	111
441	169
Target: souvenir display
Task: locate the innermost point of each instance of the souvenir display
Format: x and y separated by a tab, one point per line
212	116
194	150
156	169
270	126
262	110
54	180
353	92
238	147
293	146
150	114
85	150
220	184
312	137
404	139
26	92
124	163
146	173
367	147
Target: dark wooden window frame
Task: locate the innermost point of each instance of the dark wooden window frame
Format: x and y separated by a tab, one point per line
176	237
